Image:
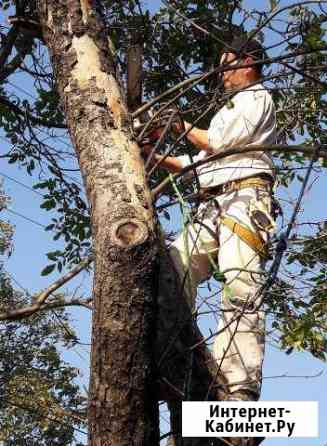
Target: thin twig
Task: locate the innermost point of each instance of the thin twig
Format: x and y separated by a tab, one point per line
199	78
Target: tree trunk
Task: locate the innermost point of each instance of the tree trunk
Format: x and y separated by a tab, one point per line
122	408
187	370
186	367
124	388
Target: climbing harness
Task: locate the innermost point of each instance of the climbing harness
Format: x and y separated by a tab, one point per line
248	236
263	181
258	214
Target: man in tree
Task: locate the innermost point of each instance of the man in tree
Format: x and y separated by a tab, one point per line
234	221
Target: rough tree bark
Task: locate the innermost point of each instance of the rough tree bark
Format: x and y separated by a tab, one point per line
186	368
125	385
122	405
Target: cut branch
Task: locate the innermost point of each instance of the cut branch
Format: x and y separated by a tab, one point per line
17	61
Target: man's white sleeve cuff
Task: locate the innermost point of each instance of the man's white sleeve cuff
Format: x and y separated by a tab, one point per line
215	140
185	160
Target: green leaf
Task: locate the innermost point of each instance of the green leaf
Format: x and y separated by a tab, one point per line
54	255
217	275
48	204
48	270
230	104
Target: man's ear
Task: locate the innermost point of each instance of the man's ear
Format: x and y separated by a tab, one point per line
222	59
248	60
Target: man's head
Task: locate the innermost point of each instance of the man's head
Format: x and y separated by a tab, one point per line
242	51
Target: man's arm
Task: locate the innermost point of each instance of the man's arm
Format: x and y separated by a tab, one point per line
170	163
198	137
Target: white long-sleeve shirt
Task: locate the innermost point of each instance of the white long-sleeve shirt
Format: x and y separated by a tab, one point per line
250	119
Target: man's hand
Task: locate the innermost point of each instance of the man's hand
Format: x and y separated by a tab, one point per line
169	119
177	122
198	137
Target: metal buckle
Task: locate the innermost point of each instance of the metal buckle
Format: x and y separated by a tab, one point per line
228	187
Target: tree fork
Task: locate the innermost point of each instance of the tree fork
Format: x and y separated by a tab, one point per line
123	410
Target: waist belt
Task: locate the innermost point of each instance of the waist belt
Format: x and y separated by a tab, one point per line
264	181
251	238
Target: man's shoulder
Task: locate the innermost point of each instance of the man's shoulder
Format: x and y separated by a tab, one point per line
253	98
257	95
255	91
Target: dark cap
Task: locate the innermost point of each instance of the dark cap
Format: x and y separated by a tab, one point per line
243	46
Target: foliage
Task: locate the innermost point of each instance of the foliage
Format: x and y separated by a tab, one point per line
6	230
181	39
303	316
40	403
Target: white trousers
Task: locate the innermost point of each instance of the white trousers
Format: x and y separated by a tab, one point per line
239	344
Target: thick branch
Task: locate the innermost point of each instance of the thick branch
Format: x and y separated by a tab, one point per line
122	404
42	297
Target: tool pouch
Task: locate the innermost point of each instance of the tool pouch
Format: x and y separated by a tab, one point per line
261	213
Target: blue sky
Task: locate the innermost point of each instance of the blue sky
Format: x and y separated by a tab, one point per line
31	243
